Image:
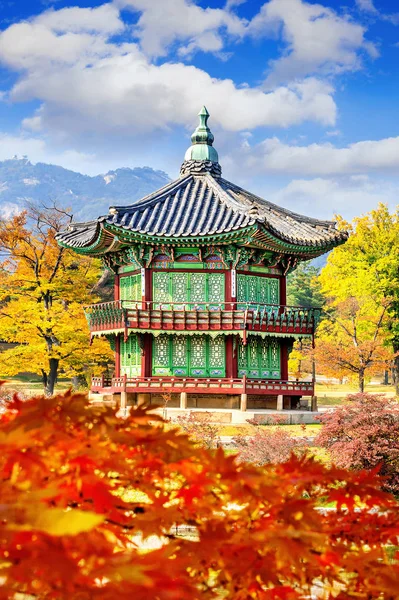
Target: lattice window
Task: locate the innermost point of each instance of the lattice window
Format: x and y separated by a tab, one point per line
217	352
179	350
259	358
198	352
197	356
274	291
263	290
198	287
258	290
130	357
215	287
130	288
252	289
161	291
241	287
161	351
180	287
275	355
265	370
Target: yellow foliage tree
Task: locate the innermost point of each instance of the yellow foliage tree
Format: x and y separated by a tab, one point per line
42	290
361	287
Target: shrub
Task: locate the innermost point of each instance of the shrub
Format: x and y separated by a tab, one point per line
267	445
200	428
364	434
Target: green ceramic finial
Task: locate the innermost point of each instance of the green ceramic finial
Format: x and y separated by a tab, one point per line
202	140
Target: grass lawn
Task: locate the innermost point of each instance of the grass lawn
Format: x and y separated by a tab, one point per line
294	430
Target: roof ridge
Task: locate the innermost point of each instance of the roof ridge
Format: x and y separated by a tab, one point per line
286	211
157	195
232	203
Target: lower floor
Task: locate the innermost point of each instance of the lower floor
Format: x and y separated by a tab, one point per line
204	371
201	355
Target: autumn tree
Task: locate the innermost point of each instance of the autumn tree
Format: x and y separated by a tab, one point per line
367	266
42	290
364	434
90	504
350	341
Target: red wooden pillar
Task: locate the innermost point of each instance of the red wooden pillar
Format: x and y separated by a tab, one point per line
283	290
117	294
231	351
117	337
118	355
231	357
146	356
284	359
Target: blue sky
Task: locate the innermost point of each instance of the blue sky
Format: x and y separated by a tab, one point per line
303	96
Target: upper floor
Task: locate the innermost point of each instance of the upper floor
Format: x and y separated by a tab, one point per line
206	300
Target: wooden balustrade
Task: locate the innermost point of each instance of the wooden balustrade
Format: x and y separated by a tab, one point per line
204	385
121	315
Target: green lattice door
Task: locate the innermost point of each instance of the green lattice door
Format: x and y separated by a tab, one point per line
195	356
161	363
260	358
130	357
188	289
130	288
257	291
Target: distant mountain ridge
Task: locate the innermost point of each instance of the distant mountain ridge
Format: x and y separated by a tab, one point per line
87	196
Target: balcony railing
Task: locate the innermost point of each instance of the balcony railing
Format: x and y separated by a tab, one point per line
199	385
178	316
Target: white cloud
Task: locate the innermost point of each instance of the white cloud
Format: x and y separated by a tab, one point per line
103	19
318	39
348	196
163	22
366	6
272	155
87	83
38	150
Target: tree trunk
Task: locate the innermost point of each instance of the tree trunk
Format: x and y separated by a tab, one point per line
386	377
361	381
49	379
79	382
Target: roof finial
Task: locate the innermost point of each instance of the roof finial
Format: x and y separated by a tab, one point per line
202	134
201	156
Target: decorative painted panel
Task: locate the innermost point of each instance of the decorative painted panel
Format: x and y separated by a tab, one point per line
130	357
259	358
130	288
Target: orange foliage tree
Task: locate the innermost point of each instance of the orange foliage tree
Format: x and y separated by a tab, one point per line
90	505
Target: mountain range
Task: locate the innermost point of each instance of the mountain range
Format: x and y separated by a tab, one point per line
87	197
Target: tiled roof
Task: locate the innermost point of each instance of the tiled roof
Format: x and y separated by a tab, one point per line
203	205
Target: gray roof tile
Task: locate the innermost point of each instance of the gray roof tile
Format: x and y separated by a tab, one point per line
201	205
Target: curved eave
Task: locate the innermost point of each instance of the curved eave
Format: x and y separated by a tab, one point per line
111	238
